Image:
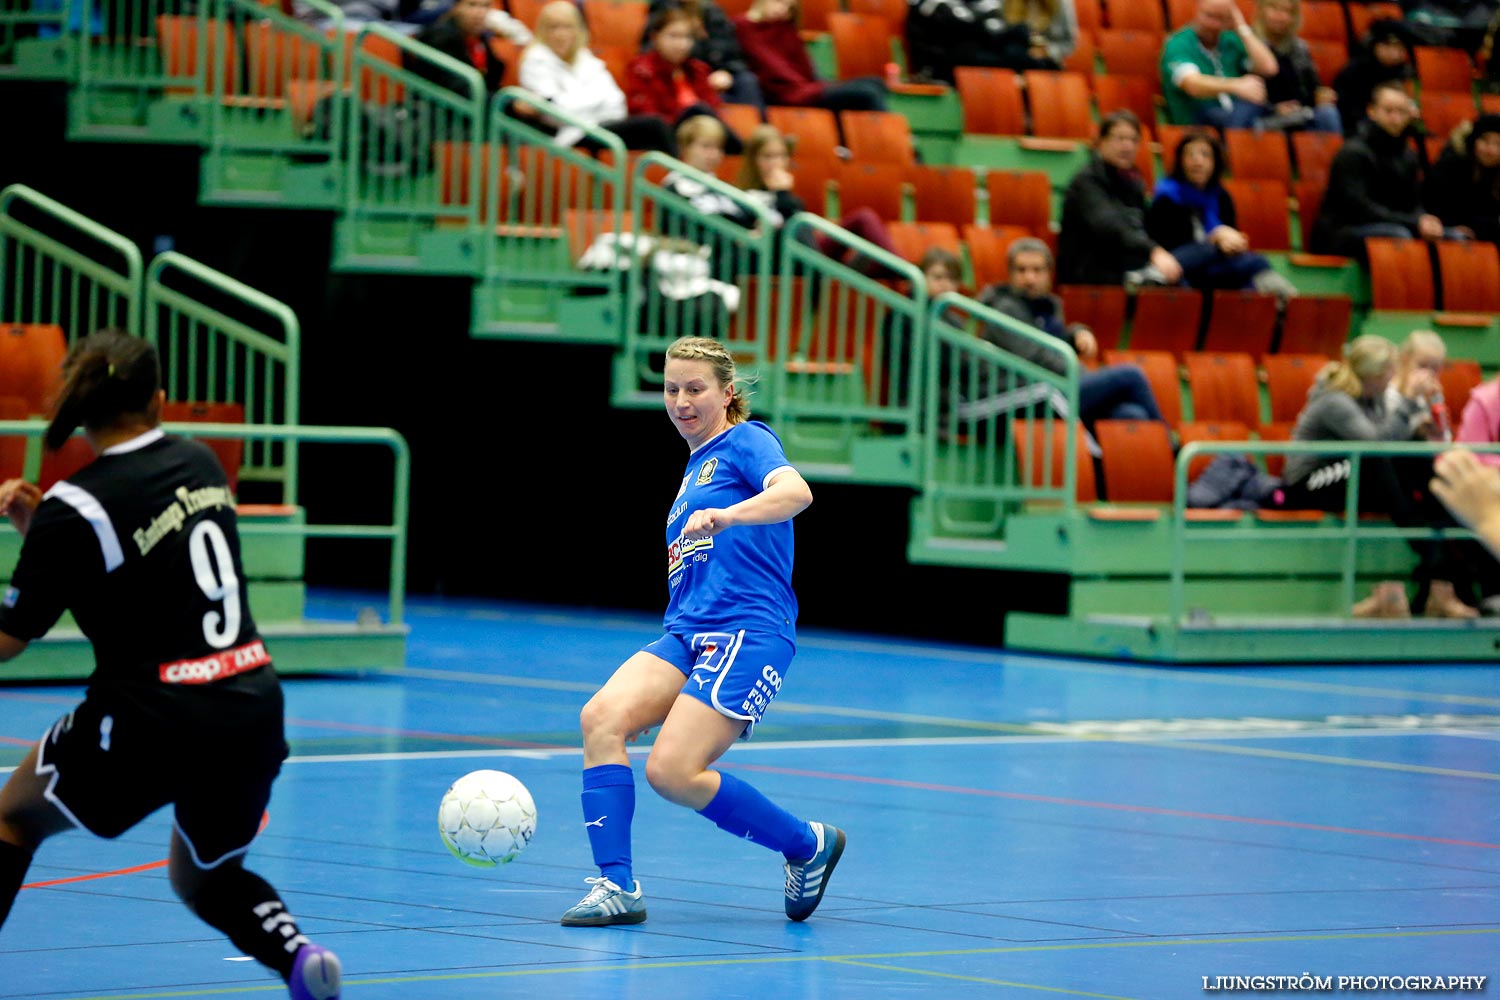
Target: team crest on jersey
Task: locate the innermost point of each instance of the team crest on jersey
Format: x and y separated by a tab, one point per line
706	474
12	595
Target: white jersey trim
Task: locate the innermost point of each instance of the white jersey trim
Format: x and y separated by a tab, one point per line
47	770
729	657
92	511
136	443
765	482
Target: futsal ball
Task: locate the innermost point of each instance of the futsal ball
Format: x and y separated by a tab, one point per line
487	818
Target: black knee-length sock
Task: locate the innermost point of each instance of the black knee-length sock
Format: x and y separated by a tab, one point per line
248	911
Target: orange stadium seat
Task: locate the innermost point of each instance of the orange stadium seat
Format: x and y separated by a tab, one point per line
1442	112
177	44
1084	55
944	194
1288	377
861	44
1261	207
1134	93
1241	321
913	239
1180	12
1090	15
1137	460
741	119
1059	103
988	246
1040	446
893	12
1257	155
743	328
813	132
1316	324
275	57
1323	20
619	22
229	451
1138	15
1459	377
1161	372
878	137
1223	387
31	357
814	14
1132	53
1276	431
876	186
59	465
1444	69
1400	274
1470	276
1101	308
1362	15
1166	319
991	100
1020	198
1328	57
1314	153
1309	200
525	11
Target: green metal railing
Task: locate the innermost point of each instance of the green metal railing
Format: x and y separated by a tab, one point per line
57	266
1345	527
411	152
224	342
997	430
147	49
286	97
36	41
847	342
544	205
691	274
289	439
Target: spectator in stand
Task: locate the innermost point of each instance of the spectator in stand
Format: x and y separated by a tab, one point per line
775	51
1195	216
1385	55
1481	419
559	68
1103	233
766	177
716	43
1463	187
1373	186
1294	93
467	32
1214	69
1014	34
1348	402
1112	392
1419	366
666	81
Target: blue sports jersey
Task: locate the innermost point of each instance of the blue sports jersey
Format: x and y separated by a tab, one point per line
740	578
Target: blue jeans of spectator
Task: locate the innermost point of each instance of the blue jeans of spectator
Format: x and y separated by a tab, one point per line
1240	114
1203	266
746	90
864	93
1326	119
1116	392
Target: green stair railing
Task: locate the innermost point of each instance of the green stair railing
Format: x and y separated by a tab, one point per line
58	267
542	206
224	342
998	431
36	39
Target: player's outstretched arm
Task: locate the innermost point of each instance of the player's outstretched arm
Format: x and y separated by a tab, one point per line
1471	492
786	497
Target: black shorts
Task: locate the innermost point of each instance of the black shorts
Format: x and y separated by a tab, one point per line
113	763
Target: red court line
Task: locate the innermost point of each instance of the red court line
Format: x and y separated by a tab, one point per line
489	741
1116	806
16	741
89	878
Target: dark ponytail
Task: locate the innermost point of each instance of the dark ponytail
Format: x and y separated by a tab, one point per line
107	376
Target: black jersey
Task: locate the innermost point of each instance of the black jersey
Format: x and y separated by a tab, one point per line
142	547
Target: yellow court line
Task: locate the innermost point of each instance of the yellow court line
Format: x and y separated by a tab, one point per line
845	959
976	979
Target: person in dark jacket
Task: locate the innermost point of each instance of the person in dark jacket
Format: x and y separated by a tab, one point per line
716	43
1103	233
1111	392
1195	216
1373	186
467	32
1463	186
1295	93
1385	55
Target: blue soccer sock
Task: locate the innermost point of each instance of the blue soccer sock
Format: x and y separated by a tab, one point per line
608	807
739	808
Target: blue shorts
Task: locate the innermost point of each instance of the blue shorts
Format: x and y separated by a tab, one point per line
737	674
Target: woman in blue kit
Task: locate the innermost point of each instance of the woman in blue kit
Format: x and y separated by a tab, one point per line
730	637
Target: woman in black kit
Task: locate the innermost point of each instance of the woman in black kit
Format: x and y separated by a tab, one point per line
183	706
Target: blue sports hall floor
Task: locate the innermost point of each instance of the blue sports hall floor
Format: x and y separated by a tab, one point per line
1018	826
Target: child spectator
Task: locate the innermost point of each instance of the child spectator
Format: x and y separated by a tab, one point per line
1463	186
666	81
1294	93
716	43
